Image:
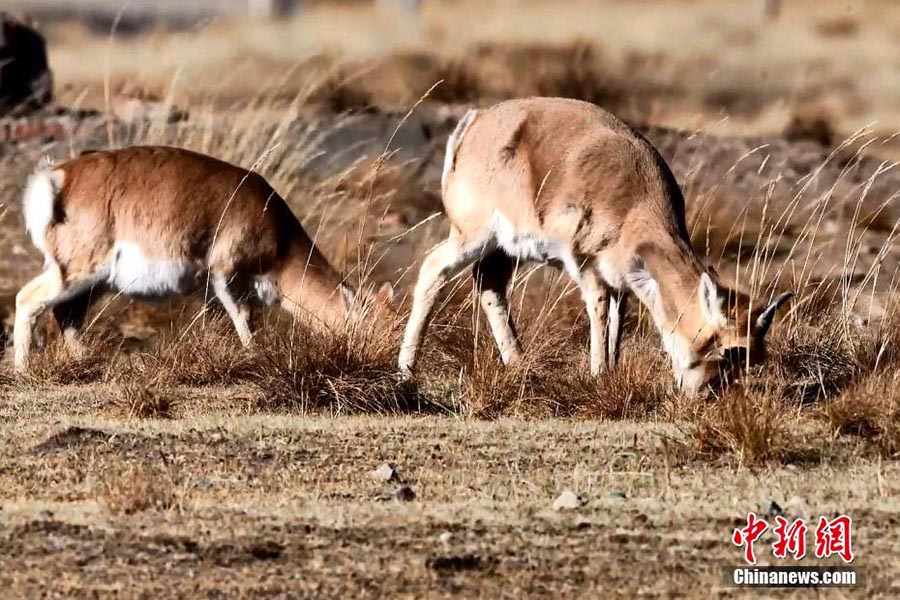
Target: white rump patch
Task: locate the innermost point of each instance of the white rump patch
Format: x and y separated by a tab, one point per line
131	272
37	205
454	142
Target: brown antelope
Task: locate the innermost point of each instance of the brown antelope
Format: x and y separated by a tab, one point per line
562	181
156	221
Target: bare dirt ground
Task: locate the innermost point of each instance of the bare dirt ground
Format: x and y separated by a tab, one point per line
222	502
166	461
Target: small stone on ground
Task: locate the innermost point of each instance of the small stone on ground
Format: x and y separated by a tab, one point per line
568	500
386	472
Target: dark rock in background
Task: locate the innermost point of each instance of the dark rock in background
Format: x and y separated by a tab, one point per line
25	79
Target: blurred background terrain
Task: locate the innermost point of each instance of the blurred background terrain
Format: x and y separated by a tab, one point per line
729	66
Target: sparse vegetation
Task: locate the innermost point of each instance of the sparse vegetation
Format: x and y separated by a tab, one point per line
753	428
139	487
870	413
145	401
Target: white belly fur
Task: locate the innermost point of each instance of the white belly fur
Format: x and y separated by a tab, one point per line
525	247
131	272
534	248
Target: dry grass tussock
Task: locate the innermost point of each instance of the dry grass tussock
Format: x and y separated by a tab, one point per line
755	428
302	369
868	412
58	364
462	368
140	486
823	371
145	401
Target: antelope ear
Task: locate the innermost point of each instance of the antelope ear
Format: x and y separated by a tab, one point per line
710	303
644	286
385	292
764	322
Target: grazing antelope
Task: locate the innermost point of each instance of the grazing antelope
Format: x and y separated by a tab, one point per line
157	221
561	181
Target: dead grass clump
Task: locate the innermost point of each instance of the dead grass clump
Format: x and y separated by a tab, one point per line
487	389
625	394
140	487
812	127
208	352
881	349
342	92
829	355
57	364
462	369
551	379
309	370
752	427
459	82
813	363
638	388
870	412
137	400
573	70
579	75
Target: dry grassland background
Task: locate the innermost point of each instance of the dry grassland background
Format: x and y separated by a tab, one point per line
167	461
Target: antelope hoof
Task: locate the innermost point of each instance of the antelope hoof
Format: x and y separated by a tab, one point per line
404	371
